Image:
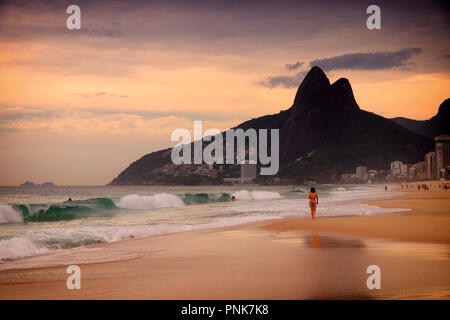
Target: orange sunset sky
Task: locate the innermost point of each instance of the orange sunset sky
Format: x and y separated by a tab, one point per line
78	106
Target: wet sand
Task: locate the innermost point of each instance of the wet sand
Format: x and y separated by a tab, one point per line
289	259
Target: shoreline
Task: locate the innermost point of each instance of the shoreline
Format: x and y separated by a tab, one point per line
404	226
290	258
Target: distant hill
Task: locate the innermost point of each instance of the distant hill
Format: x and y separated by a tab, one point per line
31	184
27	184
437	125
322	135
47	184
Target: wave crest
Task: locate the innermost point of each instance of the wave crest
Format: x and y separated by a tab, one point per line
256	195
200	198
8	214
68	210
157	201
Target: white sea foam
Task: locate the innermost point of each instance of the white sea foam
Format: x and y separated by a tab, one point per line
157	201
23	246
256	195
300	207
360	193
8	214
37	242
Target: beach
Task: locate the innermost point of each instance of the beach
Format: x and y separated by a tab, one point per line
289	258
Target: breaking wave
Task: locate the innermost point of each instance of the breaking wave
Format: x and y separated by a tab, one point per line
256	195
157	201
200	198
68	210
8	214
105	207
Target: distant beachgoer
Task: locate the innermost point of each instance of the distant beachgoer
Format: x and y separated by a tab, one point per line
313	202
70	199
418	187
233	198
385	188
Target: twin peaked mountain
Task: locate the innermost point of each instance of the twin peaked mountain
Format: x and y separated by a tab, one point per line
323	135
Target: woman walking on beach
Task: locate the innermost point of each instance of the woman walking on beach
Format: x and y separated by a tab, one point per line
313	202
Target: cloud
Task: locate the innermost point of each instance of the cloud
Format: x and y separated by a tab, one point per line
294	66
92	32
81	121
369	61
282	81
29	32
352	61
17	113
101	94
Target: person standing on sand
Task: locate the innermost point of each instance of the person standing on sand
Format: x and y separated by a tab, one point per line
313	202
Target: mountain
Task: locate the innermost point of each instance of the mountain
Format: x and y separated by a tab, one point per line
322	135
31	184
320	110
48	184
27	184
437	125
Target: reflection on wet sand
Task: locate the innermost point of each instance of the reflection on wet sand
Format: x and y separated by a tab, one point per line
336	266
315	240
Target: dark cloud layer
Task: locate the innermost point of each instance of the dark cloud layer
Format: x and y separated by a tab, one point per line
282	81
207	24
368	61
294	66
351	61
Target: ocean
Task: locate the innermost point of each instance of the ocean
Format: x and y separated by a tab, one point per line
37	220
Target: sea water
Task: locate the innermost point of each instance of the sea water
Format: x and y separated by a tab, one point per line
38	220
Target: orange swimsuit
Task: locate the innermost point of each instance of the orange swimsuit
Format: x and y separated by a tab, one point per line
313	199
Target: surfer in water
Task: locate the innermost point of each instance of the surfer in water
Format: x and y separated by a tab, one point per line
313	202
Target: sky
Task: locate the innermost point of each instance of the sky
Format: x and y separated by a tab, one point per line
78	106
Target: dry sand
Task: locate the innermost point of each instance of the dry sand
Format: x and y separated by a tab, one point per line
290	259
